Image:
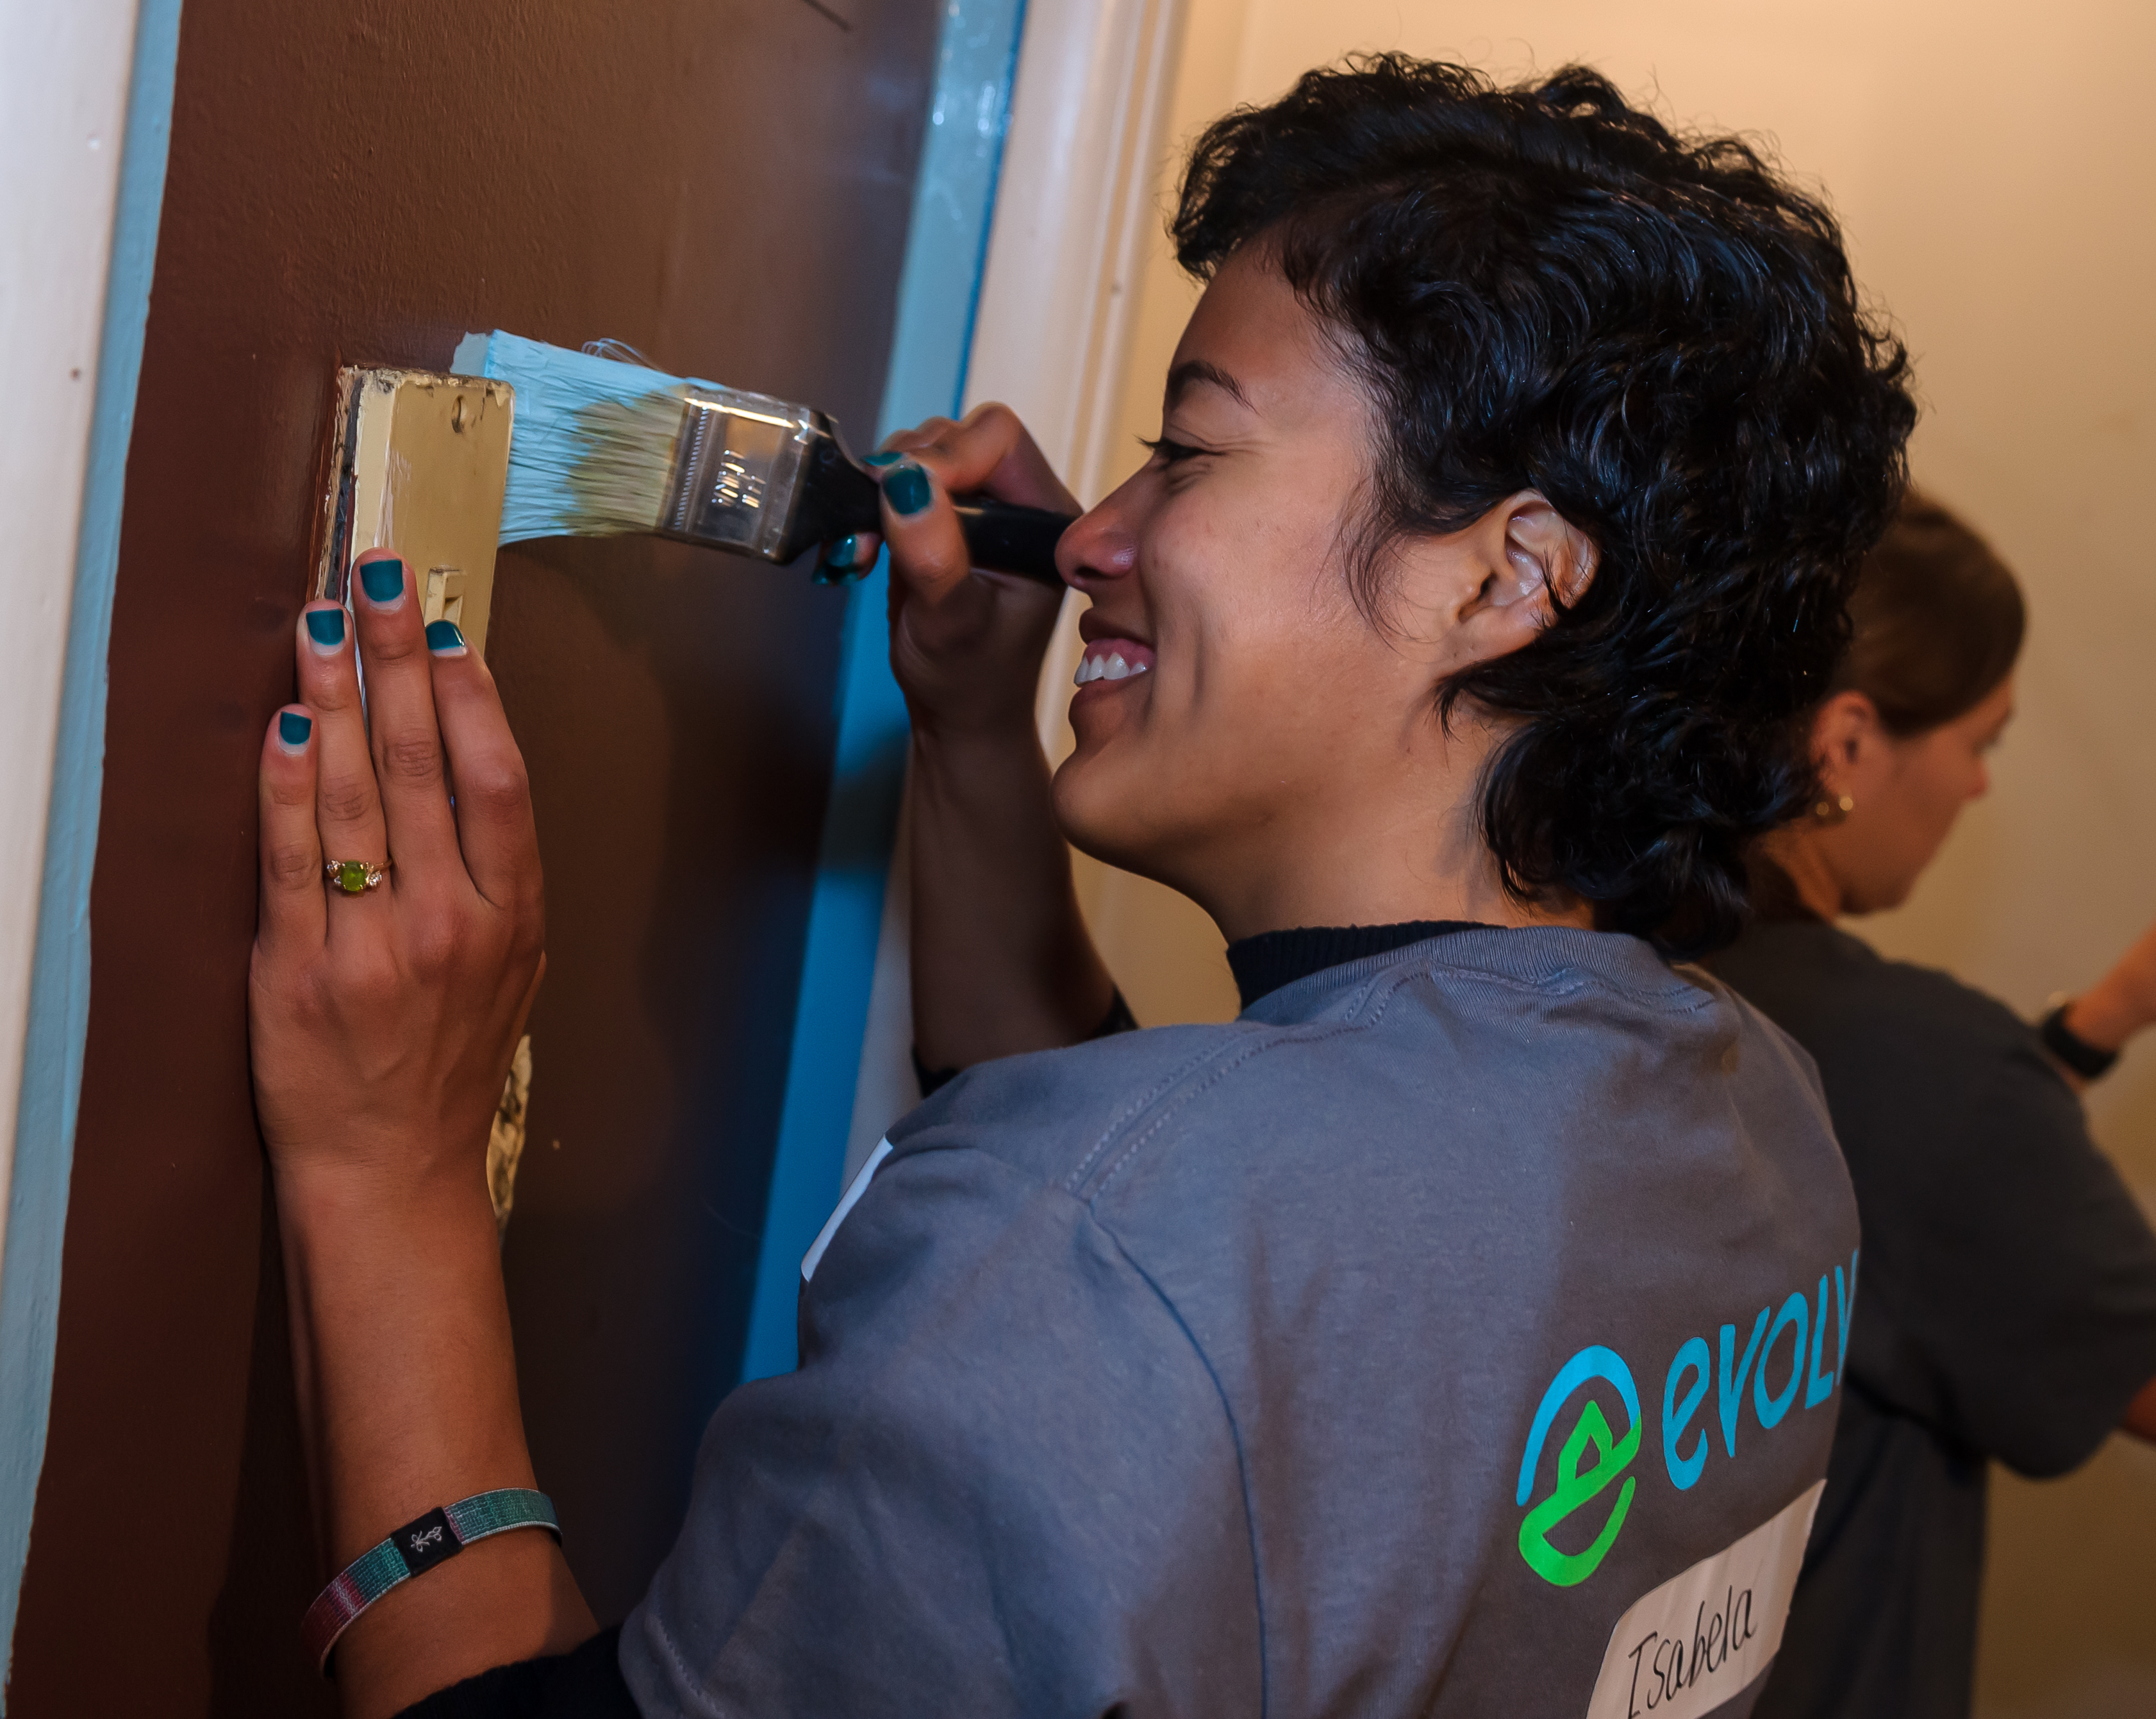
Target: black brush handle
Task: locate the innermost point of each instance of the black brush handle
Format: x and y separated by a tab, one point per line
841	495
1004	537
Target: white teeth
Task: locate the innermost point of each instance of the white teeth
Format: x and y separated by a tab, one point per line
1112	667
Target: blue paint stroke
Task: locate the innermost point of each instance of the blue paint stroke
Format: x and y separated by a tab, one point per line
938	298
60	980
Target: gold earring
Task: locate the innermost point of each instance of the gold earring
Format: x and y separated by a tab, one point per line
1831	811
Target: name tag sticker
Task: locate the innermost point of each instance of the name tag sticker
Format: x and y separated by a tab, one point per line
1700	1637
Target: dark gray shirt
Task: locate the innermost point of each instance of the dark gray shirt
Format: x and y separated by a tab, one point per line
2009	1309
1376	1353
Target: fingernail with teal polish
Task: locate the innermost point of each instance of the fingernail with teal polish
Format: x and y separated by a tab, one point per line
326	627
837	566
443	637
293	729
883	458
382	580
906	489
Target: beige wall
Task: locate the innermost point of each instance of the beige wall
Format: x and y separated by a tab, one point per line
1995	167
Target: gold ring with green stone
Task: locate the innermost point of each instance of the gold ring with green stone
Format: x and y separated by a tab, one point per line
355	877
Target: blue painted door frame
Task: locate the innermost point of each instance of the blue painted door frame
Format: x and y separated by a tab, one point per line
947	246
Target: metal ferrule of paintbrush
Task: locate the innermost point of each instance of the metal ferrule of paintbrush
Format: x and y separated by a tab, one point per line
766	478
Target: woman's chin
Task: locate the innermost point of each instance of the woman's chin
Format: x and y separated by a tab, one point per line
1099	806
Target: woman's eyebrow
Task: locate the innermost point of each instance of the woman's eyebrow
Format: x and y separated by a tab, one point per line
1193	371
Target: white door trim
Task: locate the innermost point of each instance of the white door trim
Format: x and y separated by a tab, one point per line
1051	339
1072	211
64	74
86	110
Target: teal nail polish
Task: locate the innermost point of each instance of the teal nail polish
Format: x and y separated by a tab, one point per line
326	627
443	635
382	580
880	460
837	567
293	729
906	489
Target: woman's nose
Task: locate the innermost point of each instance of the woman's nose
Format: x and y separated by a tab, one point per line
1099	546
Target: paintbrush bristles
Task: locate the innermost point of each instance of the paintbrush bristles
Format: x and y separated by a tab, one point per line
592	452
617	467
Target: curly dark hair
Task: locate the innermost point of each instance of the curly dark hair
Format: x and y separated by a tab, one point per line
1545	287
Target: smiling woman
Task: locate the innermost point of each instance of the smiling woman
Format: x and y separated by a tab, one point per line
1448	649
1282	690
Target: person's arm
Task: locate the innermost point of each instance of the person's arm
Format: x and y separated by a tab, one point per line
2017	1267
1002	961
381	1025
1001	1481
2119	1004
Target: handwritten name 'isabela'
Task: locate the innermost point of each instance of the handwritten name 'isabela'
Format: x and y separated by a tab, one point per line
1672	1669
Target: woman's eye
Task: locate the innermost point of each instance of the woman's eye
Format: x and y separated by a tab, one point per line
1171	453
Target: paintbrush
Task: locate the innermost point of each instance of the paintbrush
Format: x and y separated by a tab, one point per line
601	447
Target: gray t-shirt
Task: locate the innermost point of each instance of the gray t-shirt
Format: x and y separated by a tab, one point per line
1427	1341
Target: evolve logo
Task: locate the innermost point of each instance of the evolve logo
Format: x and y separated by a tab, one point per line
1612	1457
1606	1455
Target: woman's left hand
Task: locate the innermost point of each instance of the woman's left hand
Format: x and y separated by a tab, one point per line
382	1021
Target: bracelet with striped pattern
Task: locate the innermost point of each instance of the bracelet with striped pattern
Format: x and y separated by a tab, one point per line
419	1545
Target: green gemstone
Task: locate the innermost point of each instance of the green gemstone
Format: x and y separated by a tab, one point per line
352	876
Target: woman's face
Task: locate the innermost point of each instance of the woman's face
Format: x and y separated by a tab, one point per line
1907	793
1245	734
1232	701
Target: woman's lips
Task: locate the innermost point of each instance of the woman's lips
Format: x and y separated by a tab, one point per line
1113	658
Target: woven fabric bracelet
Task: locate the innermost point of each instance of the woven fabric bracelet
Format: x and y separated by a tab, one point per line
419	1545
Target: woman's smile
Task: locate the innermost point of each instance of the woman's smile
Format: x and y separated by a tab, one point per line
1111	656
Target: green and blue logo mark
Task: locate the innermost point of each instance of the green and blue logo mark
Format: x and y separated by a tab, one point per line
1593	1457
1612	1457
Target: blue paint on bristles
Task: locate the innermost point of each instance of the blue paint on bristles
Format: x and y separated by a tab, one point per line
591	451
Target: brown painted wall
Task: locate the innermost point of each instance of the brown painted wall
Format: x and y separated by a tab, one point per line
723	184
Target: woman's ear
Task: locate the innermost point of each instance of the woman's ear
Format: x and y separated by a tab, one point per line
1845	731
1552	561
1523	560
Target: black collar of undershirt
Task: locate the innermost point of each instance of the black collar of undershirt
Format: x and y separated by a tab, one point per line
1264	963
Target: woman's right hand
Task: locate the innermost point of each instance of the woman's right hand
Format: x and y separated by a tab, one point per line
1001	959
966	646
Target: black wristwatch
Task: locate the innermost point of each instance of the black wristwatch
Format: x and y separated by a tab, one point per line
2090	1061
